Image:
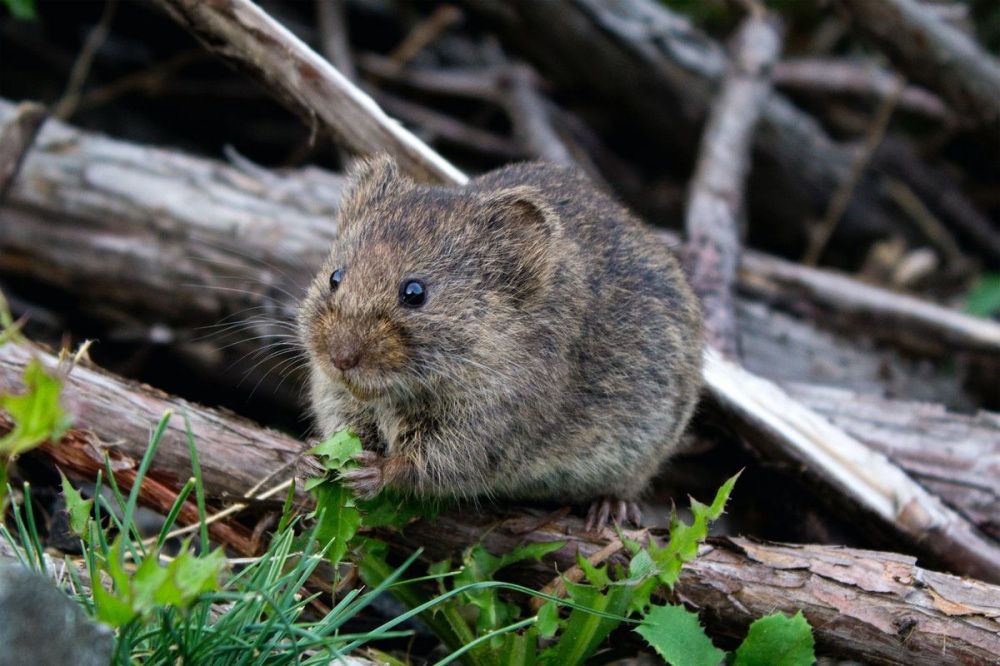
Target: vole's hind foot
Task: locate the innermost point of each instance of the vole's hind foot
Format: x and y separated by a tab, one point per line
617	511
367	480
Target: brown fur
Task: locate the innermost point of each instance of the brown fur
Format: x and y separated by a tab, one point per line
557	355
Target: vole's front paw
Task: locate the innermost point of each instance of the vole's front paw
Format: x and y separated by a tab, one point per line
368	480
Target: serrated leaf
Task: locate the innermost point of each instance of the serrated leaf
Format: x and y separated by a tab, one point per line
677	636
777	640
596	576
339	519
78	508
338	451
37	414
684	538
548	619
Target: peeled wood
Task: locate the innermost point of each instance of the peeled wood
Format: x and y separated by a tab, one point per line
861	603
16	136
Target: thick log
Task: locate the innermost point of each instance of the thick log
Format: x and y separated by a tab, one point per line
935	54
715	206
878	607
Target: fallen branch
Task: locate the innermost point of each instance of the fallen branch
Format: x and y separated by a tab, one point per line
16	136
715	205
860	602
239	31
786	428
935	54
858	79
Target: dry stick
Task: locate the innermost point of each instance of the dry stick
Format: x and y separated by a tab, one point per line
530	117
716	204
842	197
67	104
16	137
857	601
331	17
935	54
425	32
847	77
240	31
926	221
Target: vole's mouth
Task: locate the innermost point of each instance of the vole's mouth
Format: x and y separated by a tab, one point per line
362	393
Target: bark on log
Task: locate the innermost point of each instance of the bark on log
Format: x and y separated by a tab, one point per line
935	54
715	205
878	607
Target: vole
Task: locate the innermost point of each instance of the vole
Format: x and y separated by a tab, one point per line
522	336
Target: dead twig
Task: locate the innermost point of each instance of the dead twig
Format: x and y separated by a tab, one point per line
715	205
331	20
67	104
425	32
842	196
16	137
935	54
242	32
859	79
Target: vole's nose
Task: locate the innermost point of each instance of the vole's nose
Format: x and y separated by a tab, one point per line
345	359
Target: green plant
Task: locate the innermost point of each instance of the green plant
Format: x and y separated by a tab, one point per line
983	299
475	616
37	416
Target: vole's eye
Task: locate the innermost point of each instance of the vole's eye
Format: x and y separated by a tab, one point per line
412	293
335	279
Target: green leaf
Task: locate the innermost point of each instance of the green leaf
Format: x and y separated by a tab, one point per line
984	298
777	640
548	619
110	609
21	9
519	649
37	414
338	451
339	519
584	632
78	508
676	635
684	538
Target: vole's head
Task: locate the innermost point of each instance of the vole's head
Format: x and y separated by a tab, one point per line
425	286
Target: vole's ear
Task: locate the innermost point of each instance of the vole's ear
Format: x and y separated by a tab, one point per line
368	180
521	228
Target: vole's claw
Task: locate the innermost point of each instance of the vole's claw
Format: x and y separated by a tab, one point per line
367	480
620	512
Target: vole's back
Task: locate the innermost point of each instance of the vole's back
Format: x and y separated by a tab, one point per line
636	356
